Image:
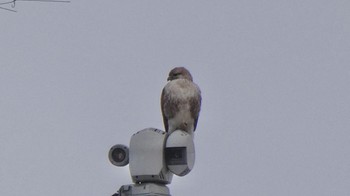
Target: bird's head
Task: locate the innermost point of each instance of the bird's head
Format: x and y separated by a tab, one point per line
179	73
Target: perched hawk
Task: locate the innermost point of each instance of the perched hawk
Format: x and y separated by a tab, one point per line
180	102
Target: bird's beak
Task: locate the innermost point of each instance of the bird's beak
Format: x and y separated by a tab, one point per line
169	78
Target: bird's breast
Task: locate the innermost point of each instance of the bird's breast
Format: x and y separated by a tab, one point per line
181	89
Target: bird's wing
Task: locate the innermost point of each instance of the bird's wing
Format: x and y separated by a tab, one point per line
195	103
163	100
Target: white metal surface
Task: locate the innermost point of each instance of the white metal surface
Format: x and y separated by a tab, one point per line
147	157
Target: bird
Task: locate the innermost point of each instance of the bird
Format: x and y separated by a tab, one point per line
180	102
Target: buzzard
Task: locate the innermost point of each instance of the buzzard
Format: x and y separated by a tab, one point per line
180	102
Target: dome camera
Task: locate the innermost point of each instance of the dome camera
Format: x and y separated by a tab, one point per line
119	155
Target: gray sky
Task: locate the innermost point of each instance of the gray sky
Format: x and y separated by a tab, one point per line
77	78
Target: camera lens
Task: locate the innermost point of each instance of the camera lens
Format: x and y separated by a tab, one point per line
175	155
118	155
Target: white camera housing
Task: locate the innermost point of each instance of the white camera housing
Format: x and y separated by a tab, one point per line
147	163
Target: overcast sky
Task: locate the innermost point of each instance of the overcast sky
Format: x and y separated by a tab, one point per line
77	78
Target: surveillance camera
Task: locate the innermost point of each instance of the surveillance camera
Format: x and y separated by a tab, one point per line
155	156
119	155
